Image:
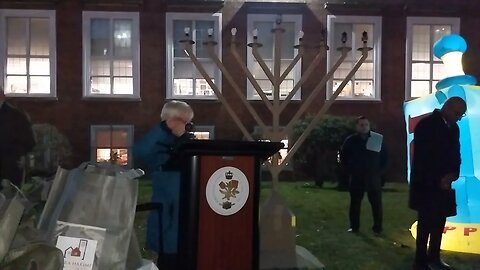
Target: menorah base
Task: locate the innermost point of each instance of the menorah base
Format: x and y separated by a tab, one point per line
277	235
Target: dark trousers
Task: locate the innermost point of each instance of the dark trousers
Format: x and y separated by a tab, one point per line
167	262
9	169
430	224
375	199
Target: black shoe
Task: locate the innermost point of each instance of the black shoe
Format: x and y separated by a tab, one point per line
377	232
421	266
439	265
352	230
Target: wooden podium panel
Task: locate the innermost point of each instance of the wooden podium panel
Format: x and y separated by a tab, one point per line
220	231
227	242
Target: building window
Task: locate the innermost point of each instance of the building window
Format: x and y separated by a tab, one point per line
423	69
365	84
183	78
260	135
111	47
263	24
204	132
112	144
27	51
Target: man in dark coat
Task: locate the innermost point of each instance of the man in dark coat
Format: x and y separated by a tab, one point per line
436	164
16	140
364	156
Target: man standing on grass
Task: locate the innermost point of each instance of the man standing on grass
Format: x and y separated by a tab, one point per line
364	156
436	164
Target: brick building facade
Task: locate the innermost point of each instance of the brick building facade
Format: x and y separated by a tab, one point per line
74	113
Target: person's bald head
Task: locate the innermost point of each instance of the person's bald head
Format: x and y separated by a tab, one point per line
454	109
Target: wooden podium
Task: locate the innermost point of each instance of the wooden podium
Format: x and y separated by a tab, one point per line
218	226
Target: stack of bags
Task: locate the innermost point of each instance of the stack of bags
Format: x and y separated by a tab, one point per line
86	222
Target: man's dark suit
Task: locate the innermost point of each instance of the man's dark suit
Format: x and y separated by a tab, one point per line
365	168
16	139
436	154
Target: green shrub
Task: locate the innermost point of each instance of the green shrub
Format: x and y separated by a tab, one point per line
52	149
317	157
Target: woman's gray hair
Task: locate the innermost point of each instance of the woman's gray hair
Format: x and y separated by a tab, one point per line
176	108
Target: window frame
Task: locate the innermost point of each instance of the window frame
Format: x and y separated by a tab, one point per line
135	39
297	19
377	52
217	36
206	128
93	146
455	23
30	13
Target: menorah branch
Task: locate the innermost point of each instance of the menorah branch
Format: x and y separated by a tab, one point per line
262	64
277	64
308	72
203	72
291	65
320	86
235	86
250	77
324	108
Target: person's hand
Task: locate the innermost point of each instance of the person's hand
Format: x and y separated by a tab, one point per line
446	181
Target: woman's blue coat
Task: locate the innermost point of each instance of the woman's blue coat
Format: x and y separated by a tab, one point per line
154	150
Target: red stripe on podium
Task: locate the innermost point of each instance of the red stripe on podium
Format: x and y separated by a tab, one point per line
225	242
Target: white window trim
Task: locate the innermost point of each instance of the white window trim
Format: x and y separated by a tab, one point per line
297	70
377	52
28	13
134	16
169	18
453	21
210	129
130	131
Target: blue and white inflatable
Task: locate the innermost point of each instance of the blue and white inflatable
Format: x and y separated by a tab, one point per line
462	232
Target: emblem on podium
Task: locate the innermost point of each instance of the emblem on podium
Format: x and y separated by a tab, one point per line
227	191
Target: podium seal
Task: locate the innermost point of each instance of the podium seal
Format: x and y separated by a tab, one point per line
227	191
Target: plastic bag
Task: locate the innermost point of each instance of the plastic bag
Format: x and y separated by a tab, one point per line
147	265
25	251
92	209
11	213
47	219
36	256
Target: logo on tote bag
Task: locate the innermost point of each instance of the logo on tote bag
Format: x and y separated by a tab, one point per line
78	253
227	191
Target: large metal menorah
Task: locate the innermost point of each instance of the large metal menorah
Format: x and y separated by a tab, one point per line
276	106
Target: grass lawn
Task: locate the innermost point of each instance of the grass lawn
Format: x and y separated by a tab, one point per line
322	221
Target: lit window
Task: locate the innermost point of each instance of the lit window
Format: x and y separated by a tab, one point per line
204	132
202	135
263	136
28	37
423	69
183	78
264	25
365	84
111	144
112	54
284	151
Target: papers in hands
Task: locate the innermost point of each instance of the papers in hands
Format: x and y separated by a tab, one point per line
374	142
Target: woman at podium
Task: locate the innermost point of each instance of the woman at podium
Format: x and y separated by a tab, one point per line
154	151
